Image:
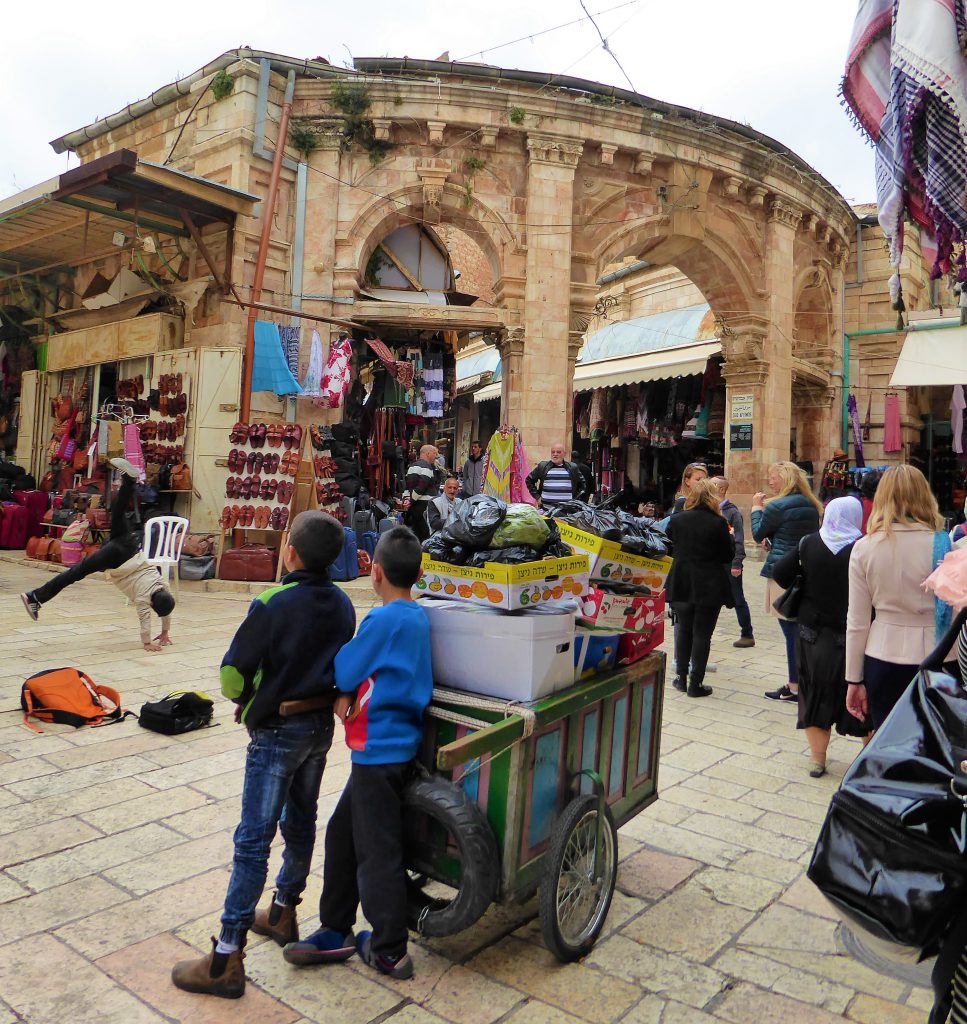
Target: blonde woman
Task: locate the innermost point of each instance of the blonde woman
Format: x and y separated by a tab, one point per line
904	538
698	585
793	512
694	472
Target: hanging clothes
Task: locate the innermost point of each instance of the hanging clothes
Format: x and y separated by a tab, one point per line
500	460
892	431
310	386
337	374
290	336
854	416
132	445
270	372
956	419
433	385
598	413
519	472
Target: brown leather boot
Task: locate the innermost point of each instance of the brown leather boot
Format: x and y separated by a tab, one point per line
218	974
278	922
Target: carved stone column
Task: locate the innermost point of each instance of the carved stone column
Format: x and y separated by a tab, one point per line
544	377
814	409
510	344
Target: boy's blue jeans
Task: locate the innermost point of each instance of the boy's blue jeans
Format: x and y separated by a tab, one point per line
283	772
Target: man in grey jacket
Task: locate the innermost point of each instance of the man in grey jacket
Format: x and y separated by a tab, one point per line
473	471
441	509
733	516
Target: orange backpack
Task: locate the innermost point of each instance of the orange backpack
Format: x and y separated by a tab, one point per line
68	696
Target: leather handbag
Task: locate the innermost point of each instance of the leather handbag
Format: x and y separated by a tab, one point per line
181	477
892	853
198	545
99	518
53	552
33	544
79	461
250	562
43	549
788	602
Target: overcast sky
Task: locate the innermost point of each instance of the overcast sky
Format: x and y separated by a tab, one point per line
768	63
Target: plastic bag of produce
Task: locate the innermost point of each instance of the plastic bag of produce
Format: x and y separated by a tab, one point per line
523	524
476	520
441	550
641	536
512	555
603	522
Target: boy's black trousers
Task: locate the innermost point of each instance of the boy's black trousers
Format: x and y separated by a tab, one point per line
364	857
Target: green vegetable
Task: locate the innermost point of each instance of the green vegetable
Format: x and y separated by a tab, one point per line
522	525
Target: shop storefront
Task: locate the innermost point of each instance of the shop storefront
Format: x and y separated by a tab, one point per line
649	399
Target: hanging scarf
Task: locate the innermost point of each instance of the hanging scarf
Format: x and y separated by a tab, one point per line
310	385
337	375
854	415
497	472
842	523
400	369
942	611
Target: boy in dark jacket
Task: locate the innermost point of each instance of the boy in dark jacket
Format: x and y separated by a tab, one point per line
280	672
387	669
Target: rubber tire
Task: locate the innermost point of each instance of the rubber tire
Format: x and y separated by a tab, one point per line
564	950
448	805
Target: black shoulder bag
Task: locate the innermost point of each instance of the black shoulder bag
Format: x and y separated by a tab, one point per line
788	602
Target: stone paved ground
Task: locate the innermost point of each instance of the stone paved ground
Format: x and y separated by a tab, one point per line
115	845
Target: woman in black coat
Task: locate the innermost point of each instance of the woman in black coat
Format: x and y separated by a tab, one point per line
822	561
698	585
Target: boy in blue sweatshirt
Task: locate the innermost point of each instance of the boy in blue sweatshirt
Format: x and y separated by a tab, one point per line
387	669
280	672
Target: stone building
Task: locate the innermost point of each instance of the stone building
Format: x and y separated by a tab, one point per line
540	186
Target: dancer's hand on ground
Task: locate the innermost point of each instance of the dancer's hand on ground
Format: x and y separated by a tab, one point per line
856	703
153	647
163	639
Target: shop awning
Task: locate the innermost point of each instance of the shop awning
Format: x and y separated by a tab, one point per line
487	393
645	366
932	357
472	369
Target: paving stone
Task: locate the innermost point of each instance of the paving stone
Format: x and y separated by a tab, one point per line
467	996
748	836
129	922
574	987
537	1013
41	839
679	1013
652	874
733	810
147	807
787	825
676	839
694	757
79	757
657	972
803	895
47	910
82	992
808	988
29	812
736	888
190	772
870	1010
788	805
203	744
145	969
10	889
648	1010
779	927
690	922
227	784
720	788
49	785
413	1015
839	967
920	999
732	772
766	866
95	857
744	1004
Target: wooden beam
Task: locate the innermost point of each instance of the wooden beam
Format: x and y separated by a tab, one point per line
315	317
205	251
401	267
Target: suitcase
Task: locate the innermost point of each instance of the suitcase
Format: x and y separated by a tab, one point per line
346	566
250	562
14	526
36	504
196	567
387	524
364	522
367	541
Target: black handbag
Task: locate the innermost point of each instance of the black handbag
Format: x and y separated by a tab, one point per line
177	713
788	602
892	853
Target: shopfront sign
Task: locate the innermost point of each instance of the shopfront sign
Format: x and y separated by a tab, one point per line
740	437
742	407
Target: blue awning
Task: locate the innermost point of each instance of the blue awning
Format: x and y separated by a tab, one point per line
471	368
650	333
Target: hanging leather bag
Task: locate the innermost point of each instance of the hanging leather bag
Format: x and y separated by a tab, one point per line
181	477
892	853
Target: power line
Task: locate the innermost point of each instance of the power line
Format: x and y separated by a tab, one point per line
607	49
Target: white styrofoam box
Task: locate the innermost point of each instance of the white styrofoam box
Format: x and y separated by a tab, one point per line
522	656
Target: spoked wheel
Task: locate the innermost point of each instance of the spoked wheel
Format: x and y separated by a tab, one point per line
575	893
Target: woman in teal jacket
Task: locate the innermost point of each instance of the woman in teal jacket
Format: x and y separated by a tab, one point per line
793	512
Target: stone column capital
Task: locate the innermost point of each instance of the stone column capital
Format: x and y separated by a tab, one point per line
381	127
510	344
435	130
557	150
784	213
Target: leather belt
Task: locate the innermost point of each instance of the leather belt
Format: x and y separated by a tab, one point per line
288	708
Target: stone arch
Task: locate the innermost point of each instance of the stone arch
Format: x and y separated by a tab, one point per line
407	204
813	323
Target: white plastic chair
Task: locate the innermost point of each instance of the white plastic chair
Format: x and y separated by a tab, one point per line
164	536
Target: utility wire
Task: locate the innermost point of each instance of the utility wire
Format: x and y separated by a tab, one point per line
607	49
545	31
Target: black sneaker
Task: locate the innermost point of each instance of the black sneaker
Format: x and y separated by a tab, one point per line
698	690
679	684
400	968
783	693
32	606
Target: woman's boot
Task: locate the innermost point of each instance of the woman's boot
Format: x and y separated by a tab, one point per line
698	689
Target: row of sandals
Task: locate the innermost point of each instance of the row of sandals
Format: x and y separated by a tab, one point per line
268	489
163	453
276	435
162	430
262	518
240	461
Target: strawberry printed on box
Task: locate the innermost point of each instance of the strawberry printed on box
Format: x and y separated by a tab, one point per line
636	613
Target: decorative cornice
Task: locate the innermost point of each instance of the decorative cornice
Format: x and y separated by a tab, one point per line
435	130
381	127
784	213
511	344
488	136
608	151
544	149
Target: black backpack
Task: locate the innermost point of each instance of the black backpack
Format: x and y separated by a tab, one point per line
182	711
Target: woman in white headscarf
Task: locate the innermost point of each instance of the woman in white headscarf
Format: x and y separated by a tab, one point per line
822	560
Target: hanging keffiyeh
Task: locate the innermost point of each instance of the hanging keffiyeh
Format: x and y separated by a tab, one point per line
337	374
289	337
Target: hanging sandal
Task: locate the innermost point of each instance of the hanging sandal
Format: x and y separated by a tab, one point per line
262	515
296	436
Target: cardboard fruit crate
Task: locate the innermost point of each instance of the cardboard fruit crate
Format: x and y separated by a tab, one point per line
610	563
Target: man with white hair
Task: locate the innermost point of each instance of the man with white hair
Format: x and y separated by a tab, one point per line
423	484
555	480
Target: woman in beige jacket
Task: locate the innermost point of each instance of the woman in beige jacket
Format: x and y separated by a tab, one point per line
886	572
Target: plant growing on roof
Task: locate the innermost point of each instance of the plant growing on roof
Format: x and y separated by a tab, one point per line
304	136
516	115
352	100
471	164
375	266
222	85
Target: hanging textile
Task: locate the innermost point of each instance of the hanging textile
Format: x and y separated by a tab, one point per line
270	372
132	445
400	369
416	405
519	472
906	84
868	422
500	460
336	376
956	419
290	336
598	413
433	385
854	415
310	385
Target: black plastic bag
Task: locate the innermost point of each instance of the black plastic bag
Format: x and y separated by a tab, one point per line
475	522
892	853
513	555
602	522
641	536
441	550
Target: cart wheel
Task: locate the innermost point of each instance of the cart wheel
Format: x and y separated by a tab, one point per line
469	833
573	901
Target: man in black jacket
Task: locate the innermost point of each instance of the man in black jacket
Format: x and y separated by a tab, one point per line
555	480
423	484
